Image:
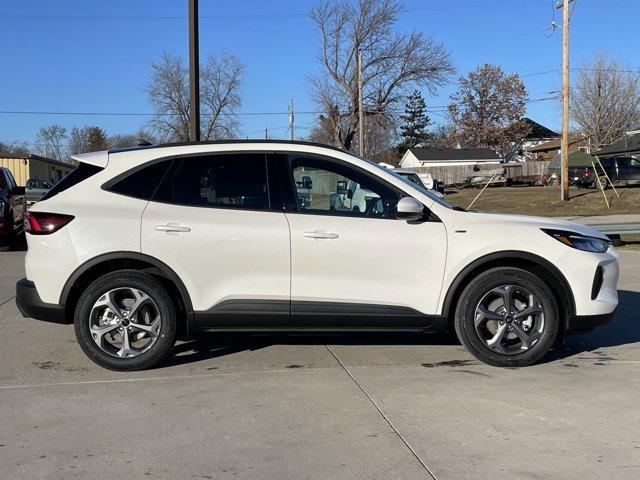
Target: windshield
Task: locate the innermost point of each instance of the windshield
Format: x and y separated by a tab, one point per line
421	189
412	177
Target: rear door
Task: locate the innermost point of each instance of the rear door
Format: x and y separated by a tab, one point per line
17	201
353	263
634	169
211	221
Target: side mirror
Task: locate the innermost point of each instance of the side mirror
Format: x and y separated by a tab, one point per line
307	183
410	209
17	191
342	187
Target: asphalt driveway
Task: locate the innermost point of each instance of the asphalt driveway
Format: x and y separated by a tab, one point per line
366	406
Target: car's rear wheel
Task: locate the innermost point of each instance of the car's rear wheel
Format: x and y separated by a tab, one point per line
507	317
125	320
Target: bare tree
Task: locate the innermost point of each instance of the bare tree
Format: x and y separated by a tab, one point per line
14	149
50	141
392	63
605	99
221	79
487	108
125	140
78	141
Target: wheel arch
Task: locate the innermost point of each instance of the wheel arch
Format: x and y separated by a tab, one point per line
105	263
542	267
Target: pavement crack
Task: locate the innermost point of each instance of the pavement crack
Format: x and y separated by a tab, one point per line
386	419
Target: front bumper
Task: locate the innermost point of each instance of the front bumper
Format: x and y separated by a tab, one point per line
30	304
586	323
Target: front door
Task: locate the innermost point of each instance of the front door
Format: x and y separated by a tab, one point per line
210	221
353	263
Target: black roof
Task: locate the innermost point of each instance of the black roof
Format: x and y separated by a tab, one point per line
626	144
537	131
453	154
224	142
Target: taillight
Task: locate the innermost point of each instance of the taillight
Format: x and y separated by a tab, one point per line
41	223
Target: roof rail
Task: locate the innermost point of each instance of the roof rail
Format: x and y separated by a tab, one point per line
223	142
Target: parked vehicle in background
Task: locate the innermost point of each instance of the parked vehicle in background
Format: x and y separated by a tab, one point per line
581	177
621	170
35	189
140	247
12	207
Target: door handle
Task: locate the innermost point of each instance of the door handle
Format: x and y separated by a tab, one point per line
321	234
172	228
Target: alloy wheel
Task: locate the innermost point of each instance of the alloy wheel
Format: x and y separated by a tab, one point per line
125	322
509	319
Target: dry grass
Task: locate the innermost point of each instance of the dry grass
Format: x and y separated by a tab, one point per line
545	201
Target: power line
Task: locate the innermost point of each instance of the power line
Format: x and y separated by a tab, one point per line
431	109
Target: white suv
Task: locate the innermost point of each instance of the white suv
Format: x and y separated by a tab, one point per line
143	246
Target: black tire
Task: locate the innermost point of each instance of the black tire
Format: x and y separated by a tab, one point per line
147	284
478	288
11	233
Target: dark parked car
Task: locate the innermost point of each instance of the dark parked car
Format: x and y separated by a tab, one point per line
12	207
625	170
621	170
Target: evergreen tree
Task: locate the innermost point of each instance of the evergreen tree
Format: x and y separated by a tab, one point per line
96	139
415	123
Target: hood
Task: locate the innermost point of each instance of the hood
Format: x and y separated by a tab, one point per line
536	222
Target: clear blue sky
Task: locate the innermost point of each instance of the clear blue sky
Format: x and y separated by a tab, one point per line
93	56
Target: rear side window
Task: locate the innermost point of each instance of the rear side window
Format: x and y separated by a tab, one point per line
142	183
79	174
222	181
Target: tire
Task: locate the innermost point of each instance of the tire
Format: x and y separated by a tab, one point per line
11	233
510	350
154	342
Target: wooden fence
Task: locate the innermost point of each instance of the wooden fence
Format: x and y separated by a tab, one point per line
454	174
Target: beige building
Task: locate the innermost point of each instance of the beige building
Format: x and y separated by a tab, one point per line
35	167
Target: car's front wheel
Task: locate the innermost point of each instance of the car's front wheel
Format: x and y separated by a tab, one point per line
507	317
125	320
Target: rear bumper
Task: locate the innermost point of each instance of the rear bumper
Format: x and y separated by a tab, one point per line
585	323
30	304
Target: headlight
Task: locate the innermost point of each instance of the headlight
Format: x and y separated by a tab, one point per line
580	242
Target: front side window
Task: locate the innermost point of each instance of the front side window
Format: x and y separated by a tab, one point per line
223	181
326	187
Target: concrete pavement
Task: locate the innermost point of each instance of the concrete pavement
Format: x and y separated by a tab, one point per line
320	407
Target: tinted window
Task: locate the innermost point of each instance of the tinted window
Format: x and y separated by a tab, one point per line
326	187
10	181
227	181
143	182
79	174
3	181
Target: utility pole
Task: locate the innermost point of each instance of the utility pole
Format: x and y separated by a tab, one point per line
292	118
564	146
360	104
194	72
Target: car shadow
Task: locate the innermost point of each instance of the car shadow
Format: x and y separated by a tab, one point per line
214	345
623	330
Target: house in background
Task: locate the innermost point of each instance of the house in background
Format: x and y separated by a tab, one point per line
548	150
627	145
35	167
446	157
536	134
